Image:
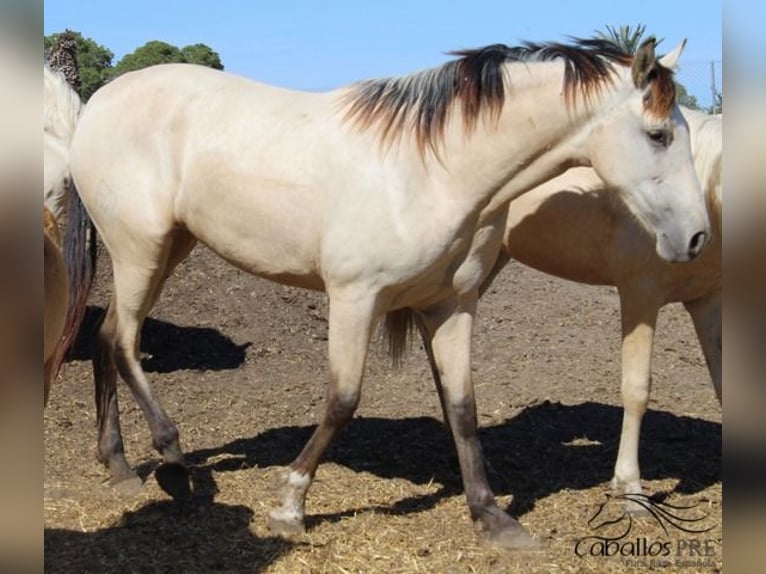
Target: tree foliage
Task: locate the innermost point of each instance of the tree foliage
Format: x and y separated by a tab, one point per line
629	39
717	107
150	54
93	60
202	55
626	37
156	52
684	98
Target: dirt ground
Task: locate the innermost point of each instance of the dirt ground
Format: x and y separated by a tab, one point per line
240	365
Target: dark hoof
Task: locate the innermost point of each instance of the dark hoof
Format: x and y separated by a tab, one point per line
129	486
285	526
174	479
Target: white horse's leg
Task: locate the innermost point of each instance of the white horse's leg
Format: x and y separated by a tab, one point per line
351	320
450	329
639	318
706	315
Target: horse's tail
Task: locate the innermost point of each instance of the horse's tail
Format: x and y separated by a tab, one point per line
80	253
397	328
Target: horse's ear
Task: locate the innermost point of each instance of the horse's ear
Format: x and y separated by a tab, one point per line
643	62
670	60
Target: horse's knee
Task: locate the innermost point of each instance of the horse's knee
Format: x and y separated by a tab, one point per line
635	393
341	407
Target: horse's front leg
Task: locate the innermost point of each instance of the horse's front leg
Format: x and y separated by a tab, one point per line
450	329
639	317
351	320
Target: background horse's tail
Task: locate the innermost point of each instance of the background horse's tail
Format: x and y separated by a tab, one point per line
62	109
80	253
397	328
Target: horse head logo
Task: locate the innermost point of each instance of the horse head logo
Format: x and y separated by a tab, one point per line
618	510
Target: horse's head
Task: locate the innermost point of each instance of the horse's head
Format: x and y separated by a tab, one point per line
639	144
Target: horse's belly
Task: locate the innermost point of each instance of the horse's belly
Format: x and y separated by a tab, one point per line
265	231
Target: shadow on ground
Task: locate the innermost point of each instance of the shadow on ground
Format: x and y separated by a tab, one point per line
203	348
198	535
547	448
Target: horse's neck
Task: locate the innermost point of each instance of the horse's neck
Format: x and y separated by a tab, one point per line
537	137
706	136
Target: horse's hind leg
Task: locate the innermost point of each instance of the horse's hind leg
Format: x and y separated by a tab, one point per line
426	337
111	450
706	315
350	326
137	287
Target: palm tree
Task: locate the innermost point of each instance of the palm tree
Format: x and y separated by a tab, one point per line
63	58
629	39
625	37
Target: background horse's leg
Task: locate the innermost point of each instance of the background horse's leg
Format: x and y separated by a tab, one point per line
450	329
706	315
350	326
426	336
639	317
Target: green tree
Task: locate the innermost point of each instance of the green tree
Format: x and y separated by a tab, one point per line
626	37
202	55
629	39
717	106
684	98
156	52
150	54
93	60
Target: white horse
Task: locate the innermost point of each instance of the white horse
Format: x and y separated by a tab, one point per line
68	265
61	110
389	194
574	227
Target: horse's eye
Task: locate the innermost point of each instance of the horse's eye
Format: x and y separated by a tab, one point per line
659	137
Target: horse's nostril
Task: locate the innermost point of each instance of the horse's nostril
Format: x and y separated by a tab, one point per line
697	243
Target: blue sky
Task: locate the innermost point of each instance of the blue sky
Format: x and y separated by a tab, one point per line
326	43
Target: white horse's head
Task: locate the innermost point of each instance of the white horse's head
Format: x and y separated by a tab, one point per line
640	146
